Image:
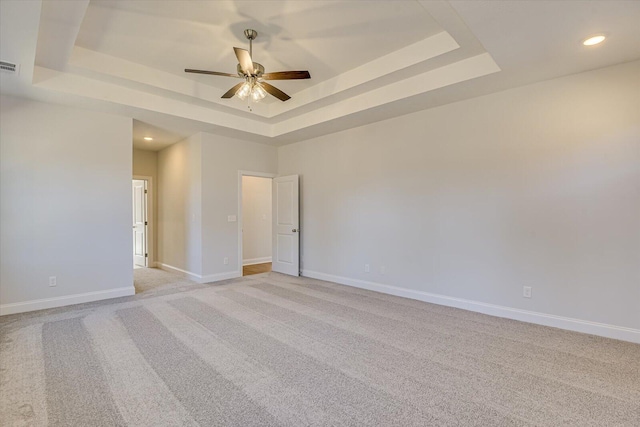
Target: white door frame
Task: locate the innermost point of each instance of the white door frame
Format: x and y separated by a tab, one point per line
149	232
242	173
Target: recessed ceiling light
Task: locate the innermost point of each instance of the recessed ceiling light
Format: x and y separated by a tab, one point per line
148	138
594	40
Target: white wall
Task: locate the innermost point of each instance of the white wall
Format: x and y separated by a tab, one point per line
222	159
65	200
256	219
180	205
145	163
535	186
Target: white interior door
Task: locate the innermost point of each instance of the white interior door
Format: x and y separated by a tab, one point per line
140	222
286	231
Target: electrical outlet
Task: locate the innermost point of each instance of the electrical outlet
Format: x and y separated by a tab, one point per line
52	281
383	269
526	291
225	260
366	268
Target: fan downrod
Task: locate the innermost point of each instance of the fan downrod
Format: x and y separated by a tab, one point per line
250	35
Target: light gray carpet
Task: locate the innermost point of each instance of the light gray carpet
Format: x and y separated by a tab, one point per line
273	350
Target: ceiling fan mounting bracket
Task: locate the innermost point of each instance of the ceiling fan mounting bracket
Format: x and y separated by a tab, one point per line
250	34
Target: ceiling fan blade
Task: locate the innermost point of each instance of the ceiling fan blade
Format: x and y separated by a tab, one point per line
275	91
245	60
232	91
213	73
287	75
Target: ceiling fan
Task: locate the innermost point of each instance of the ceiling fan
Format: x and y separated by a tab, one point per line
254	85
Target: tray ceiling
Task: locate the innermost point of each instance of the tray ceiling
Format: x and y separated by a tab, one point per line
369	60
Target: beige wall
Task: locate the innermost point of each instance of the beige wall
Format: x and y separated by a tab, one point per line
65	200
180	205
145	163
535	186
256	219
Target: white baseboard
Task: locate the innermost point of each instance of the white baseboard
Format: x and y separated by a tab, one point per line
253	261
197	277
220	276
578	325
41	304
171	269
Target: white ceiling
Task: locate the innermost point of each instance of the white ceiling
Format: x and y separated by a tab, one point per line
369	60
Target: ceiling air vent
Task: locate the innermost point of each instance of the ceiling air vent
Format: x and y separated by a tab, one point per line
8	67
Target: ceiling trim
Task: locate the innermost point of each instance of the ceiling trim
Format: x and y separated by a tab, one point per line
467	69
416	53
85	87
456	72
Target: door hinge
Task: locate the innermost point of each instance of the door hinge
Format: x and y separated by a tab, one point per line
145	191
146	255
146	223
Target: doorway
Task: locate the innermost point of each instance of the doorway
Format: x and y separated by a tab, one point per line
140	223
256	223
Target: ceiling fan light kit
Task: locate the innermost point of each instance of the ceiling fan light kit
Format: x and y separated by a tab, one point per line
254	86
251	88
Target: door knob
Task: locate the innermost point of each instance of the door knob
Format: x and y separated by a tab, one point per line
294	230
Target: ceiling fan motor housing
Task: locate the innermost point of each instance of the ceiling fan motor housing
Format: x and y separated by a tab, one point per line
257	68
